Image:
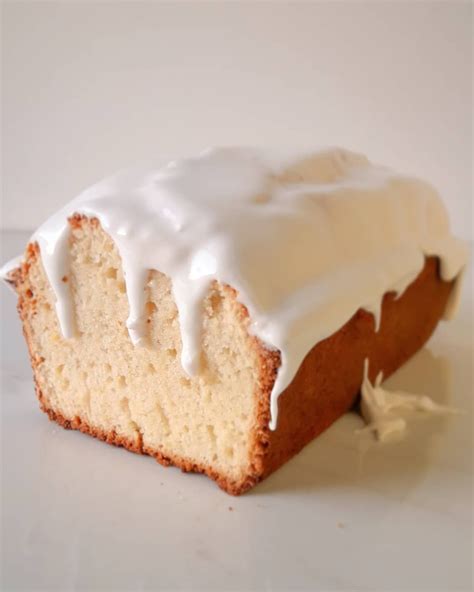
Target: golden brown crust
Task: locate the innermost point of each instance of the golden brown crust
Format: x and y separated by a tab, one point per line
328	381
320	392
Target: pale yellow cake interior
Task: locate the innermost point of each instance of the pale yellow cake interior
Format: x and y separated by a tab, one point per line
141	393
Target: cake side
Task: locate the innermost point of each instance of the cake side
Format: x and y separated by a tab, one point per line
328	382
216	423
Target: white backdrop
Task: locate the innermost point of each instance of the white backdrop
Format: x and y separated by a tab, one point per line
92	87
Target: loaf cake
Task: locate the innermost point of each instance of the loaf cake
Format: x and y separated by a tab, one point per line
216	313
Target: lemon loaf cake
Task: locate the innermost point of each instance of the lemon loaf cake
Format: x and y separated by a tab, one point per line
216	313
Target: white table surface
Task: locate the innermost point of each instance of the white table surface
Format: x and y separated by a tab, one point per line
345	514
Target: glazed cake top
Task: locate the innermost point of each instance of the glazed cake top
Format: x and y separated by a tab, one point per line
305	239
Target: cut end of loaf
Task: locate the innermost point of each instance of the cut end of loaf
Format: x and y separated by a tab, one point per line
139	397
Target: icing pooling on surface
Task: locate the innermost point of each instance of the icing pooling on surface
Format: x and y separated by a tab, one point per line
381	408
306	240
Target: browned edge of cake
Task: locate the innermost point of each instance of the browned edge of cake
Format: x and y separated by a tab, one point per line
326	385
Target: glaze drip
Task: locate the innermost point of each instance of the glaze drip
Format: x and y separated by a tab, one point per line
305	239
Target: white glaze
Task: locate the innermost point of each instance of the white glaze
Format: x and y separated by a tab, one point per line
381	408
10	266
306	240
